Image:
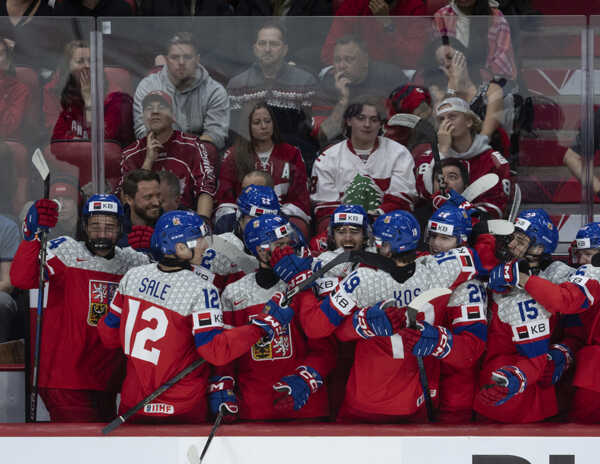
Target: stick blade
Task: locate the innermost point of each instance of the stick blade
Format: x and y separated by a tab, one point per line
480	186
516	204
40	163
425	297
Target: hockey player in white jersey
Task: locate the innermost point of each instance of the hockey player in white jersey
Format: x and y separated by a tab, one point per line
227	258
349	229
578	302
465	315
520	328
162	317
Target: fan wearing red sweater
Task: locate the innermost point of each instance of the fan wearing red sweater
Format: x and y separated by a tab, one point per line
166	149
163	316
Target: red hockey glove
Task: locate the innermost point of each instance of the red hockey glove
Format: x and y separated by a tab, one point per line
42	215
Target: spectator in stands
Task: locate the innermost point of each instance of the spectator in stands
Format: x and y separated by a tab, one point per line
140	193
200	104
170	191
415	101
167	149
388	39
15	95
459	138
67	101
573	160
364	169
93	8
288	90
458	19
65	190
352	75
463	79
265	151
9	242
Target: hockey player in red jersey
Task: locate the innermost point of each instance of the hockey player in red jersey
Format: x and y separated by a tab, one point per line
465	316
230	260
163	317
78	376
384	383
280	378
520	328
578	302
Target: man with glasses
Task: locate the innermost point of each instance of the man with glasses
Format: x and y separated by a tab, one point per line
200	104
78	377
171	150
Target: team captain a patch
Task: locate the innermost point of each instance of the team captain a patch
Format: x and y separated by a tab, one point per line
101	294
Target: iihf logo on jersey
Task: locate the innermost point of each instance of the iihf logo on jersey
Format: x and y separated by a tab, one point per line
278	348
101	294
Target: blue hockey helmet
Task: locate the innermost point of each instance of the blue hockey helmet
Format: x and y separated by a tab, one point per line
588	236
350	215
176	227
398	228
537	225
255	200
266	229
103	204
450	220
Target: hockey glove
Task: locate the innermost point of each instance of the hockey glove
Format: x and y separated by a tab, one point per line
293	390
287	265
504	276
222	397
338	304
42	216
274	317
139	238
508	381
429	340
452	198
372	322
397	316
560	359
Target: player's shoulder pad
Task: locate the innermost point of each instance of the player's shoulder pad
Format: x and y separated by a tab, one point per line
557	272
62	244
134	257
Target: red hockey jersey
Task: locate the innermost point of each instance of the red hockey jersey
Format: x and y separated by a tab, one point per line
266	363
182	154
81	286
162	321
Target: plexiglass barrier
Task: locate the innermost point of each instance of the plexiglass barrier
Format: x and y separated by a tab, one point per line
527	80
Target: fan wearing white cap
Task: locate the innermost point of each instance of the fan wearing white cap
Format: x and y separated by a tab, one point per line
459	137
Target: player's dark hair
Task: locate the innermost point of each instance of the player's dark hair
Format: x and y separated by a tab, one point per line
273	24
244	148
406	257
133	178
356	107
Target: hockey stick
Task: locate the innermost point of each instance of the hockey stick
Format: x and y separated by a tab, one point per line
414	307
212	433
159	391
40	164
480	186
516	204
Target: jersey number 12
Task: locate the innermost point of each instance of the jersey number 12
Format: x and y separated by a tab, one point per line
139	340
